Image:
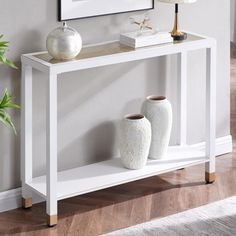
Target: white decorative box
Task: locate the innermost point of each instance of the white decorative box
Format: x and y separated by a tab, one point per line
146	38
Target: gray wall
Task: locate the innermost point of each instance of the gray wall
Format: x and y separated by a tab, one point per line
232	21
91	101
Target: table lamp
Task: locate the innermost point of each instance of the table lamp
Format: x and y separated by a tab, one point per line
176	33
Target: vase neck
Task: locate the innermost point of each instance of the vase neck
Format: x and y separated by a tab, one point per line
154	98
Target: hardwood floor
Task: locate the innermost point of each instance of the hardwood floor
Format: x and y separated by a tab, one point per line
133	203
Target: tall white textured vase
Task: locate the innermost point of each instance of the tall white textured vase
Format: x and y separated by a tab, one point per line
158	111
135	141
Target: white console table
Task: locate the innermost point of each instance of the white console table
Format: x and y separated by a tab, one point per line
56	185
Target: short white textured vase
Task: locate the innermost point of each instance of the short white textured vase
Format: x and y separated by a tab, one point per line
135	141
158	110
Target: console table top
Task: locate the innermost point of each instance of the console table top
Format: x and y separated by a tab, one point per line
106	49
109	53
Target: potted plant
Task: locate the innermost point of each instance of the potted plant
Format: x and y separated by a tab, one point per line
6	99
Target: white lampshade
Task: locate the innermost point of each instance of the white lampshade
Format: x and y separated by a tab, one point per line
178	1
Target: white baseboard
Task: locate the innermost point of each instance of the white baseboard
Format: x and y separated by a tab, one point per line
224	145
11	199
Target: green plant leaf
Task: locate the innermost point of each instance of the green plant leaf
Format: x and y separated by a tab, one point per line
3	59
4	44
11	105
6	103
11	64
6	98
3	48
5	118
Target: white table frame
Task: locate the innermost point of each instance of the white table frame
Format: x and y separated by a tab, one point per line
29	61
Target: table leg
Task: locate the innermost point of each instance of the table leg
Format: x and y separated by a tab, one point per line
210	113
182	99
51	149
26	134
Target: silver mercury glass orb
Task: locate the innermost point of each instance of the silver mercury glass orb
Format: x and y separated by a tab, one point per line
64	43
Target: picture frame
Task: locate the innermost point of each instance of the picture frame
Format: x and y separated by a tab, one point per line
77	9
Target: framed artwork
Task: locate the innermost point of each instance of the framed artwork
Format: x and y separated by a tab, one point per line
76	9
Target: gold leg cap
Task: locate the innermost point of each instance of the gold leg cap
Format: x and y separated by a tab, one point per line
210	177
51	220
26	203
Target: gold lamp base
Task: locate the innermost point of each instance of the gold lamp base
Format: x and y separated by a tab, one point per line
176	33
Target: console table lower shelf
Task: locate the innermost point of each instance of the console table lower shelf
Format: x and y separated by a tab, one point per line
110	173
